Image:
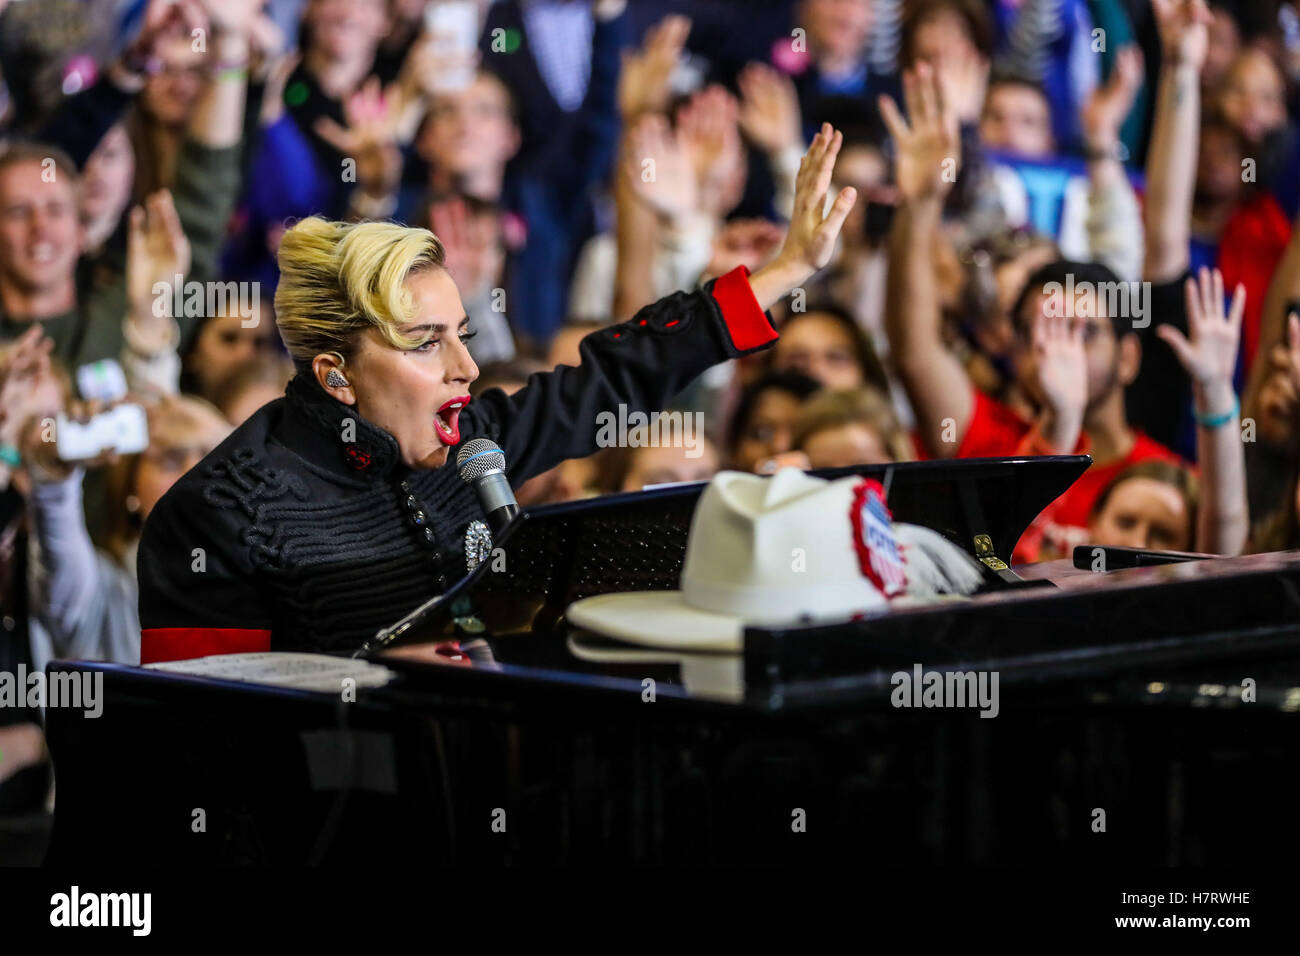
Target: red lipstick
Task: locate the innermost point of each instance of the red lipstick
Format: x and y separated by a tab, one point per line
446	421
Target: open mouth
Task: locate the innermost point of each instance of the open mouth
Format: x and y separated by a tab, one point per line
41	252
447	419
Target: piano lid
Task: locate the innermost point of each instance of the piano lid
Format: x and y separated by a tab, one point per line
553	555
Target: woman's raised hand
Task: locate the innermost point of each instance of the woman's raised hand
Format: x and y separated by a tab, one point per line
813	230
810	240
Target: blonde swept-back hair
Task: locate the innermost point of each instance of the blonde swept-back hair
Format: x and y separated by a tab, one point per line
338	279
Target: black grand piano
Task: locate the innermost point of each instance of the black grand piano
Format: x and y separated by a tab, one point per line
1147	715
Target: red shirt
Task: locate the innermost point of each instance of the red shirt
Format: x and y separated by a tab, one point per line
1252	244
997	431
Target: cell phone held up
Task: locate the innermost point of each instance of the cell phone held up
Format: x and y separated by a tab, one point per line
123	429
453	25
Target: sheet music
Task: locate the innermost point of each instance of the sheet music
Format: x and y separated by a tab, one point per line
318	672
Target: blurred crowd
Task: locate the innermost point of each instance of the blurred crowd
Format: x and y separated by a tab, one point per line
1074	233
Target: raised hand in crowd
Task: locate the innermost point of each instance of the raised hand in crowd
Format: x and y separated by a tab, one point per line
657	202
431	62
29	396
1062	377
242	28
234	16
369	137
769	109
165	17
471	243
157	258
963	80
1110	103
1175	135
644	90
218	120
267	45
658	169
928	142
813	230
41	455
1209	354
278	71
644	85
771	119
433	66
18	360
162	20
928	157
1114	219
1184	30
22	365
709	129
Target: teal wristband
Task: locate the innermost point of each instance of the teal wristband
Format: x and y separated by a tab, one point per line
1218	421
9	455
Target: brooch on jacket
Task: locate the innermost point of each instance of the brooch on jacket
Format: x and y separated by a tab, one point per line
478	544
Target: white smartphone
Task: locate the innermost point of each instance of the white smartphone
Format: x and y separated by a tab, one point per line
123	429
102	381
454	26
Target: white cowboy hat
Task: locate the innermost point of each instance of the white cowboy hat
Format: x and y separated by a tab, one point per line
787	550
715	676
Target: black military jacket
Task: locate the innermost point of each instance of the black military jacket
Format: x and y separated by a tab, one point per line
287	537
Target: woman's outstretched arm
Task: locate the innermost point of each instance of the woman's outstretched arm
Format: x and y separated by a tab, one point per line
640	366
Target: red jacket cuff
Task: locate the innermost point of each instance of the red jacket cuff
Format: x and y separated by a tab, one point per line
747	323
159	644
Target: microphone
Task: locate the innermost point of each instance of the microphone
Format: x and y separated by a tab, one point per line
482	464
